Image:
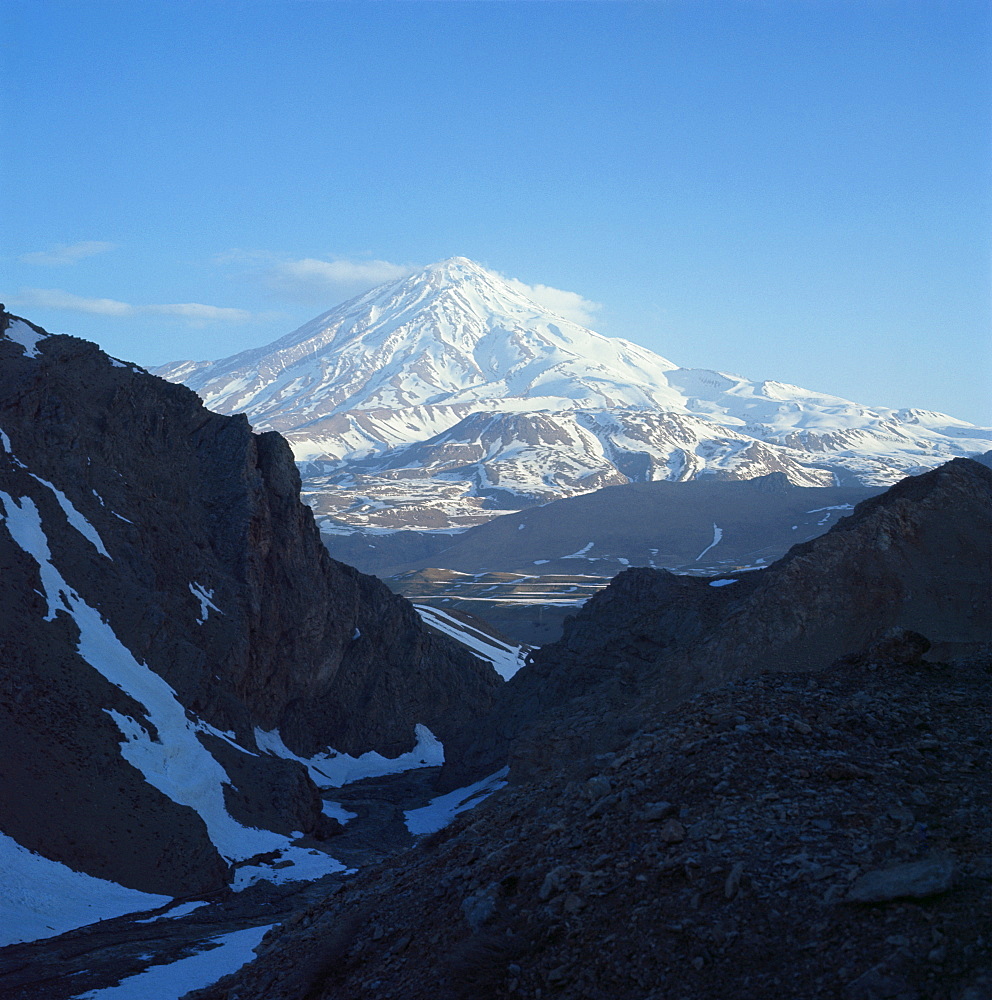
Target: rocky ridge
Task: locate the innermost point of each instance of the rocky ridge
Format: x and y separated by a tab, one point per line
918	556
703	526
162	581
818	834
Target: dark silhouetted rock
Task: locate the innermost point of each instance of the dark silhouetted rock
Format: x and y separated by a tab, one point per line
915	559
183	533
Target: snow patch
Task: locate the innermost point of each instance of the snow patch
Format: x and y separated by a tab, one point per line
337	811
331	769
721	583
717	535
226	954
203	596
20	333
5	441
291	864
42	898
75	518
175	912
581	553
440	811
506	659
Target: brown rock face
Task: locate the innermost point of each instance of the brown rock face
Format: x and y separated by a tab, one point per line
215	578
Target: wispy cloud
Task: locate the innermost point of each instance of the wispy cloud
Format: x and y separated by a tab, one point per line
571	305
312	279
316	281
56	298
67	253
198	311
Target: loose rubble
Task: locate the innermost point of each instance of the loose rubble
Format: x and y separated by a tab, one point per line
790	835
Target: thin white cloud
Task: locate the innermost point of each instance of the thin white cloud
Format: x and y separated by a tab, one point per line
571	305
67	253
198	311
238	256
56	298
312	279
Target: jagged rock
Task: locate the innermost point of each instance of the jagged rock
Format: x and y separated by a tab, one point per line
896	646
657	811
626	915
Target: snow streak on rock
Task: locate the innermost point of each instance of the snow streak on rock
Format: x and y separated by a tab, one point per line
332	769
173	760
506	658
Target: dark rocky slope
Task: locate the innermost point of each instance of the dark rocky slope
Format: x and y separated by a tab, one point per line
820	834
789	835
148	506
918	556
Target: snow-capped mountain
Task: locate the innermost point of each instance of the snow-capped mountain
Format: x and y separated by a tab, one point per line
453	375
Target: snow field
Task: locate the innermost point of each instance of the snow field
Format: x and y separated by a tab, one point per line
42	898
226	954
332	769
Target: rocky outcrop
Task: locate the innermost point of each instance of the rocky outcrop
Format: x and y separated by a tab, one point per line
156	553
918	557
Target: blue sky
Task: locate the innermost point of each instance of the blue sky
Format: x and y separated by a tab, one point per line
792	190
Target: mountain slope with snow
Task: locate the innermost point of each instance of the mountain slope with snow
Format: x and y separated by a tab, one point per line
452	375
164	599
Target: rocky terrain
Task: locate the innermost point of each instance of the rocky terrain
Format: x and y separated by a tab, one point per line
918	556
167	604
765	784
789	834
821	833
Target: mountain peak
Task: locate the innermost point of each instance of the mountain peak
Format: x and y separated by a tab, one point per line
490	292
451	334
454	265
408	360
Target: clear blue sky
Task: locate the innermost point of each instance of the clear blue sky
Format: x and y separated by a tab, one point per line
793	190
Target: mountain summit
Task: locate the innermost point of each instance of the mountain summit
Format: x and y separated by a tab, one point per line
452	334
454	379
